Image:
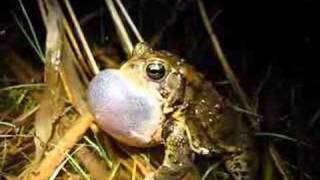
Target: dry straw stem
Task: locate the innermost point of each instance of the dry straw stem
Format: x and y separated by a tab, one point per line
129	21
23	117
279	163
54	44
223	60
79	61
83	41
54	157
122	33
51	102
237	88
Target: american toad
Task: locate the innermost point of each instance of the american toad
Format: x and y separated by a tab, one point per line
155	99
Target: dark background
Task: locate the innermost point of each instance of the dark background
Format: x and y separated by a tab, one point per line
258	37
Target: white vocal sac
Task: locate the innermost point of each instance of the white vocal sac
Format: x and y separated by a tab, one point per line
126	112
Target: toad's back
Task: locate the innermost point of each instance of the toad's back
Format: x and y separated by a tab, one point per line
215	126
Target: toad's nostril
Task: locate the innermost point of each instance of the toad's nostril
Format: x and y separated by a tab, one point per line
126	112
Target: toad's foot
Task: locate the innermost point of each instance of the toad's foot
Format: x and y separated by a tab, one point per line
177	161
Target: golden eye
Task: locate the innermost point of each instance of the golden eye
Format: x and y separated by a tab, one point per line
156	70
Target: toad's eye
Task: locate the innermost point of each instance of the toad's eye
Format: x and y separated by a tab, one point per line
156	70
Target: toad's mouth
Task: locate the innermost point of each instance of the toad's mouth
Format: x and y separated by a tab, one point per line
129	114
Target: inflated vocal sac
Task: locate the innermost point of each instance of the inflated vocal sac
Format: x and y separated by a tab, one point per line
126	112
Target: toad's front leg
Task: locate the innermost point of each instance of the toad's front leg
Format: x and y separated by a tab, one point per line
243	164
177	161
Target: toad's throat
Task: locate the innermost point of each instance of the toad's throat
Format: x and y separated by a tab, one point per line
129	114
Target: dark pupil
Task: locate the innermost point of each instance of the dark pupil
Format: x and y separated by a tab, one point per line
156	71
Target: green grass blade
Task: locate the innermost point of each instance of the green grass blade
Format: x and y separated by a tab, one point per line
39	53
36	41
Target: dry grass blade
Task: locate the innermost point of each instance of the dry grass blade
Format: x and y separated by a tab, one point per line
114	171
22	86
134	170
83	41
51	103
65	74
64	162
79	60
235	85
314	118
21	118
74	88
279	163
129	20
58	153
142	164
237	88
60	77
81	66
122	33
223	60
7	124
